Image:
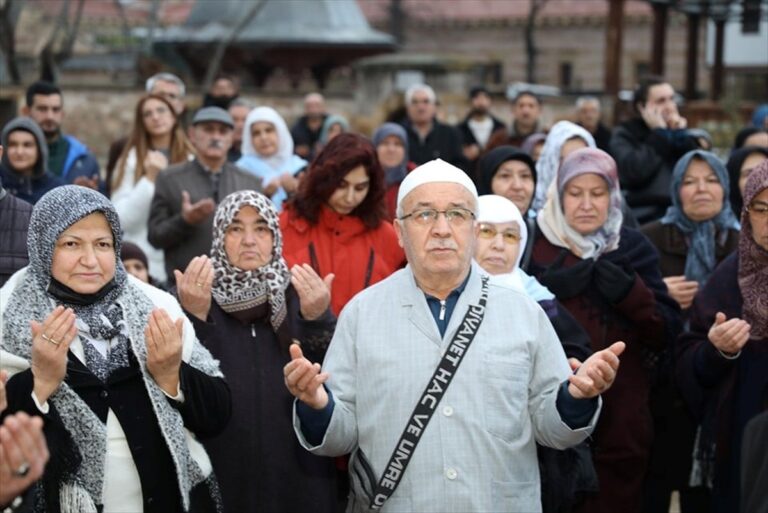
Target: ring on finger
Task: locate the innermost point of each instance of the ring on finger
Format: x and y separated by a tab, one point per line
199	284
22	470
45	337
54	342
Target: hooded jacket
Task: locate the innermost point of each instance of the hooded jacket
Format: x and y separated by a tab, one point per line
28	188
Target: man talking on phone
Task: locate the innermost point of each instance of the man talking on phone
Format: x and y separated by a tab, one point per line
647	147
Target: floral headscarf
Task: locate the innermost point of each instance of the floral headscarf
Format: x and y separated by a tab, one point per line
753	261
549	162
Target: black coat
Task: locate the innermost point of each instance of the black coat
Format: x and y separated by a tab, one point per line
443	142
645	159
723	394
754	466
257	458
205	411
14	221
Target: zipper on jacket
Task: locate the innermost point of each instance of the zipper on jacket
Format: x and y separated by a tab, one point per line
442	310
253	330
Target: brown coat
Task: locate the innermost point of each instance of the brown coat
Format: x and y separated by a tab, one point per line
673	247
647	319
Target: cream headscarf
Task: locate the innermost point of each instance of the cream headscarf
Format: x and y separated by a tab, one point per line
552	221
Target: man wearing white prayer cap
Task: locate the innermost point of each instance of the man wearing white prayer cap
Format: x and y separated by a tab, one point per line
440	381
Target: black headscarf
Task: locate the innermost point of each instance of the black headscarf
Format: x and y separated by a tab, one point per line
490	162
735	161
744	134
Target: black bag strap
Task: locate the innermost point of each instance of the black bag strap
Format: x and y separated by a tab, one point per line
430	398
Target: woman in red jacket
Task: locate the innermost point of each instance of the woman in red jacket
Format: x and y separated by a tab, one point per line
337	220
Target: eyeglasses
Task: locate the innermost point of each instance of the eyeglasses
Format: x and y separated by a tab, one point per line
488	231
758	210
455	216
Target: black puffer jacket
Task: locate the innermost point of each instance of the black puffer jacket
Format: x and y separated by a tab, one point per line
14	221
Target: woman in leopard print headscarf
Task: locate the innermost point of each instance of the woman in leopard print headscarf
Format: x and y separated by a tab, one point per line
247	308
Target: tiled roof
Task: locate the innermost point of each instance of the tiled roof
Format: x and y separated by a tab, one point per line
473	11
171	12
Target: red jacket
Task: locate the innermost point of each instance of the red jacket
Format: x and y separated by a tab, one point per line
343	245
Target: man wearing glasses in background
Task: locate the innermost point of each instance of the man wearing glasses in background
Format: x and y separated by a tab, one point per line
417	444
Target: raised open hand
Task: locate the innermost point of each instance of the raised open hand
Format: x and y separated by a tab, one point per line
50	343
597	373
196	213
304	379
23	454
164	344
314	292
194	286
729	336
681	290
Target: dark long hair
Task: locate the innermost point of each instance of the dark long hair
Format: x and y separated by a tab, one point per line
340	156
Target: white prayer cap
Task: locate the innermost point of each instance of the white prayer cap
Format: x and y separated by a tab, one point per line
432	172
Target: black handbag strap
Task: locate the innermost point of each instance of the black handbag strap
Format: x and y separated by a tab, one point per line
429	400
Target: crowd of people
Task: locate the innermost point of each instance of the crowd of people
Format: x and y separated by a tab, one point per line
238	314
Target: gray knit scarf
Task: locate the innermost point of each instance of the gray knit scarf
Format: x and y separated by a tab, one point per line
60	208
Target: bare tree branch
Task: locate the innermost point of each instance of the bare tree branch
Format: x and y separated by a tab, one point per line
9	16
126	30
149	41
218	55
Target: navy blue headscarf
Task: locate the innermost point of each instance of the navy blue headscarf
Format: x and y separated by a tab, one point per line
393	175
700	261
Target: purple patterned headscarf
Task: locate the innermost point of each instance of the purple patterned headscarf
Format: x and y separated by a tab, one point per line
753	260
551	218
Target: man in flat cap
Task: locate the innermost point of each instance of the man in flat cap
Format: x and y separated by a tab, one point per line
438	379
186	194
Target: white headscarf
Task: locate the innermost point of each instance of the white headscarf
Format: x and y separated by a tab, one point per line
284	140
549	161
498	209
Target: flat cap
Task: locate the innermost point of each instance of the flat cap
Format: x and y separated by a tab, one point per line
213	114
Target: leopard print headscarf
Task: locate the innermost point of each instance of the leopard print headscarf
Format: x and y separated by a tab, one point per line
236	290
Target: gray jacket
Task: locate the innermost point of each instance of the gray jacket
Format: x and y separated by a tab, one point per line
478	453
168	230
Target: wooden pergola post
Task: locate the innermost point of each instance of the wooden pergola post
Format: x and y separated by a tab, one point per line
660	12
692	55
613	44
716	84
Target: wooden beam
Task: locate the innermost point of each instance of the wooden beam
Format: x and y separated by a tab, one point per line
613	45
658	50
692	56
716	84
